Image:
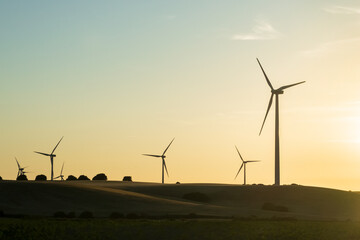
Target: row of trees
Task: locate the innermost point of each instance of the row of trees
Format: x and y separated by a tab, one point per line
42	177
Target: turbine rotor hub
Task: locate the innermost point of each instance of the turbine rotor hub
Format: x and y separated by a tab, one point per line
277	91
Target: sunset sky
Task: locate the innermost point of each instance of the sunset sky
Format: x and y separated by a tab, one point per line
121	78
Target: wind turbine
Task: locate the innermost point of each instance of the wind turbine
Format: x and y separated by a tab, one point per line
275	92
61	176
243	165
51	155
163	161
21	169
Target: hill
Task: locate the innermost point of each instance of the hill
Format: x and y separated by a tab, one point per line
105	197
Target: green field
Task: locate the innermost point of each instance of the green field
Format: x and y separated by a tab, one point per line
175	229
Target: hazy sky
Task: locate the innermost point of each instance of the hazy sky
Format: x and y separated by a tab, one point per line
122	78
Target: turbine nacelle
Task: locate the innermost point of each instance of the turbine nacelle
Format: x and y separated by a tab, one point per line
277	91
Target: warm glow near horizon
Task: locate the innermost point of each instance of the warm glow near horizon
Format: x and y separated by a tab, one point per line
119	79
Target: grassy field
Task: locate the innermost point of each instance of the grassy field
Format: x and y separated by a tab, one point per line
175	229
102	198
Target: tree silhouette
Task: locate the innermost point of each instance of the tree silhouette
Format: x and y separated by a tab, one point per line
71	178
100	176
127	179
41	177
83	177
0	178
22	177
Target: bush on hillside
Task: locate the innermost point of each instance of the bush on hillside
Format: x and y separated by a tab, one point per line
115	215
127	179
22	177
272	207
40	177
0	178
86	214
60	214
100	176
196	196
83	177
71	178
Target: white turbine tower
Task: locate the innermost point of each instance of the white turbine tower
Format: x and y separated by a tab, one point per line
243	165
275	92
51	155
163	164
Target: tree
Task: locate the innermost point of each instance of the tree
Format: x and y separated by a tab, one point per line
71	178
22	177
100	176
41	177
83	177
0	178
127	179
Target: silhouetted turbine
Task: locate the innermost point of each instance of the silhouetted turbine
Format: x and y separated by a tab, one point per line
51	155
163	165
243	165
275	92
61	176
20	169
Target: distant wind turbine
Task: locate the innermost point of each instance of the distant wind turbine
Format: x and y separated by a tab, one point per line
243	165
51	155
163	161
20	169
61	176
275	92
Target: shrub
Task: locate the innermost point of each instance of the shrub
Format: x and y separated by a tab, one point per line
0	178
272	207
177	182
196	196
132	216
127	179
100	176
86	214
71	178
83	177
40	177
22	177
115	215
60	214
71	215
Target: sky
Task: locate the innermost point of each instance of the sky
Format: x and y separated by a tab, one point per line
119	79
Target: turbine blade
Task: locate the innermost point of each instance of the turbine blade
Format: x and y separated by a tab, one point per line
56	177
267	79
62	169
267	111
165	167
57	145
168	147
291	85
42	153
239	154
253	161
239	170
152	155
17	163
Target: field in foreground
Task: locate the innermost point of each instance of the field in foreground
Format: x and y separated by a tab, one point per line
40	229
102	198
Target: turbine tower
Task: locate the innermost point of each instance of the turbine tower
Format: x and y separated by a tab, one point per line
163	164
20	169
275	92
61	176
51	155
243	165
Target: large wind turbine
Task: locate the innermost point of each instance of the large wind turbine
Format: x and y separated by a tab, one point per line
275	92
20	169
51	155
163	161
61	176
243	165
